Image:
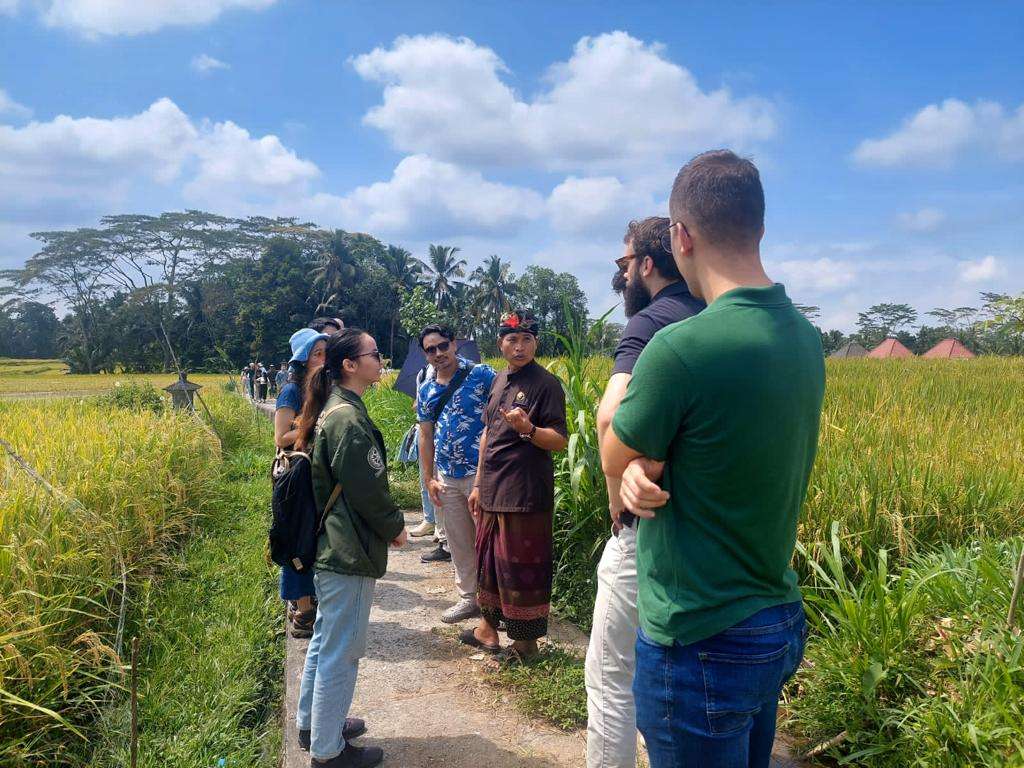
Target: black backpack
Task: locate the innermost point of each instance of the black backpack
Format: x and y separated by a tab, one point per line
296	524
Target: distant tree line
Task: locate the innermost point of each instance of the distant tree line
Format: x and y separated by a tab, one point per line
995	327
225	291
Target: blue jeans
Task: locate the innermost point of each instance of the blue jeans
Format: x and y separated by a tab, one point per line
332	659
428	505
713	703
295	585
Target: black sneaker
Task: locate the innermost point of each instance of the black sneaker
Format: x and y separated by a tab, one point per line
353	728
351	757
439	555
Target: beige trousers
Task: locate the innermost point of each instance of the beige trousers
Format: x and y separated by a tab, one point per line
460	530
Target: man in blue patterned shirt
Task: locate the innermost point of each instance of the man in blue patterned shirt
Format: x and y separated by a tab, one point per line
450	410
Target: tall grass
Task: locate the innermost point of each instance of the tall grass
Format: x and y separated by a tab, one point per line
129	485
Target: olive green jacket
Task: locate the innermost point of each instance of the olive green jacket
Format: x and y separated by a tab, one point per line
348	449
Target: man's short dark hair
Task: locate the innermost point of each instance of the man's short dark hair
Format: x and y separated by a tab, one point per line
645	235
442	330
721	195
319	323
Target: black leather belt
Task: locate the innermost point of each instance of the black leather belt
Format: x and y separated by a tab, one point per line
628	519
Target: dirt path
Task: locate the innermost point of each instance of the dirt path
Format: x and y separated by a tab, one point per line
421	693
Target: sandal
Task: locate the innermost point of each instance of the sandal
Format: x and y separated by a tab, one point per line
468	637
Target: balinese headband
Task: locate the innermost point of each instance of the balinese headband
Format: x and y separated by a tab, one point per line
513	323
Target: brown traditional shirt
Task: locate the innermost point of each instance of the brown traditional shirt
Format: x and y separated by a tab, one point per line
518	476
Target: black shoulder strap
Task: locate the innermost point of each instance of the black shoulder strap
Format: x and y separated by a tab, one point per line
453	386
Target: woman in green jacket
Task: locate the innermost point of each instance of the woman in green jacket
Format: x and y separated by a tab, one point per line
350	482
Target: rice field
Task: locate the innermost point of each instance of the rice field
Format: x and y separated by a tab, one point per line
114	492
26	378
908	542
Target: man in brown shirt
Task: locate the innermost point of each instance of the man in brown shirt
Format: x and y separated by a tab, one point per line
513	498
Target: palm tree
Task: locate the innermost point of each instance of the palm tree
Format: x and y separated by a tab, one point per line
336	269
493	287
404	271
442	269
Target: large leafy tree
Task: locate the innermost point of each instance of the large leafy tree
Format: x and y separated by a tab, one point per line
881	321
555	298
74	267
442	269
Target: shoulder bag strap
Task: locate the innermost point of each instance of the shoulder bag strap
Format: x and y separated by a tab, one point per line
333	498
453	387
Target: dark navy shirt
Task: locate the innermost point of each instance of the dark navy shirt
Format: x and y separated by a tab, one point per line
671	304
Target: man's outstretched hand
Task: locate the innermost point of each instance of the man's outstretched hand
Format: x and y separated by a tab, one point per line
640	493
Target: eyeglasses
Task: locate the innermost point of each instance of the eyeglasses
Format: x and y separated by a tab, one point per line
666	236
375	353
433	349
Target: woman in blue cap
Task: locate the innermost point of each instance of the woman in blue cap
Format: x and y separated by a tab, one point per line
308	348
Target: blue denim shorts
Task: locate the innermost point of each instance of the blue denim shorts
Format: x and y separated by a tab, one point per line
295	585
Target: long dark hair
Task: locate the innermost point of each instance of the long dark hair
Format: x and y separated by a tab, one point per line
342	346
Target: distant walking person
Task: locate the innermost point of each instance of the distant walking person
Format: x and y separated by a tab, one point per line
450	410
308	348
350	482
714	442
261	385
655	295
513	497
281	378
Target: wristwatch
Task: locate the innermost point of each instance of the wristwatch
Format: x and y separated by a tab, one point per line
529	435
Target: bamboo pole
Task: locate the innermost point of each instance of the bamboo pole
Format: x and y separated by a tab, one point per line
1011	615
135	703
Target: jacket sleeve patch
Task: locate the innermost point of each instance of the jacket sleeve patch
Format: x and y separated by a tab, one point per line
375	460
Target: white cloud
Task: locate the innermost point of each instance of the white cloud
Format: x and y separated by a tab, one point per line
96	162
204	64
10	108
426	197
447	98
597	205
940	134
94	18
822	274
923	220
231	162
981	270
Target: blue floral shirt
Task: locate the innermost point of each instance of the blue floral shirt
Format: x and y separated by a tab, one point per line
457	432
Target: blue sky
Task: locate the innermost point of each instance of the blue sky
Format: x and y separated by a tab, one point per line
890	136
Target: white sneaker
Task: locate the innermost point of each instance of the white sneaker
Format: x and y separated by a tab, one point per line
423	529
462	610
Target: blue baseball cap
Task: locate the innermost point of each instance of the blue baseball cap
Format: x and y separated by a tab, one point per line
302	342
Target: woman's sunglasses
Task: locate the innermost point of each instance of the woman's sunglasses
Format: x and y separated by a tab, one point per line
375	353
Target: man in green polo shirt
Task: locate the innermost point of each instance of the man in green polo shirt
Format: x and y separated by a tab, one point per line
714	442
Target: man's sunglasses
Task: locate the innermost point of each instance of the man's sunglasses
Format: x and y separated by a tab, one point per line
433	349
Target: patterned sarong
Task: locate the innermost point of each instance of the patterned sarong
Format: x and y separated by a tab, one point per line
513	555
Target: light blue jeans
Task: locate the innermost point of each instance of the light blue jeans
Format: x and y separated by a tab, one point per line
332	660
428	505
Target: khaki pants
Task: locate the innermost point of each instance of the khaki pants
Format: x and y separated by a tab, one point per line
611	658
460	531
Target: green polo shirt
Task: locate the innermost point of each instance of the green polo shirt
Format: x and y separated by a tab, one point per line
730	399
